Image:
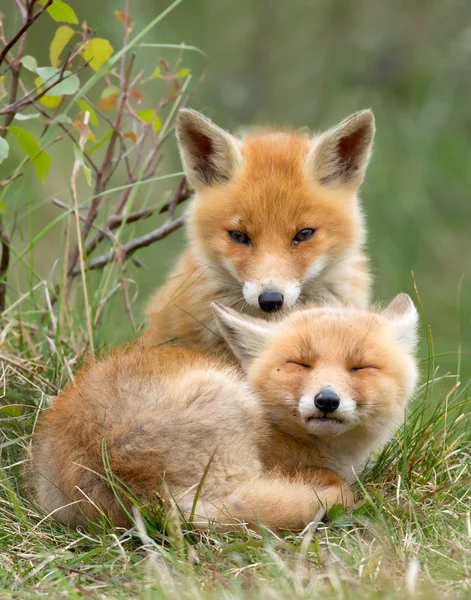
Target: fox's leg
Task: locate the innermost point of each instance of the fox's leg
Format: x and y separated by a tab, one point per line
319	477
276	502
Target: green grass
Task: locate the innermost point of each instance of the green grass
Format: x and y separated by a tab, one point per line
409	534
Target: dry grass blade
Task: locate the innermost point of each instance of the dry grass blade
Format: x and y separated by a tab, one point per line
84	133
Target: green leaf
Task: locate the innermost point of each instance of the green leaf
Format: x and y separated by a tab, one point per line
12	410
88	174
3	91
84	107
61	119
100	143
183	73
149	115
50	75
61	12
79	158
61	38
157	124
40	159
109	98
337	515
146	115
97	51
4	149
47	100
156	73
29	62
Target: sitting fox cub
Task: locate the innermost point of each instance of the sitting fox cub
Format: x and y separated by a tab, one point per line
275	222
326	387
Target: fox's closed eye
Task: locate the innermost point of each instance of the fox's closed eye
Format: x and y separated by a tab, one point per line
362	368
300	364
239	238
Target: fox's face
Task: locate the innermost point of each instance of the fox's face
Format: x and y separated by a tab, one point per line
324	371
274	211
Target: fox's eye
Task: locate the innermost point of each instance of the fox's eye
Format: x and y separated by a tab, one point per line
303	235
239	237
295	362
362	368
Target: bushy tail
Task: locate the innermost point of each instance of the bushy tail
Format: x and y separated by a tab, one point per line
275	502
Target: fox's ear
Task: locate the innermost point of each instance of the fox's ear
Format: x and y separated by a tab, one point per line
339	157
246	337
209	154
404	317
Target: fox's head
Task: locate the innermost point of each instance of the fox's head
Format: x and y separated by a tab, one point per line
274	211
324	371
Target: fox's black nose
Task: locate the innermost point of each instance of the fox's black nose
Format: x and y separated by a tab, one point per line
326	400
270	301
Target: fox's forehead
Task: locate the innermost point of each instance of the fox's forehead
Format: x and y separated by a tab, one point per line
265	153
273	195
273	190
331	333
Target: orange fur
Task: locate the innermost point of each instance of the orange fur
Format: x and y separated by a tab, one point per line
366	358
268	185
161	415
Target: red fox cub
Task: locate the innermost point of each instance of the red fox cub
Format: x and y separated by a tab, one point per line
275	222
321	390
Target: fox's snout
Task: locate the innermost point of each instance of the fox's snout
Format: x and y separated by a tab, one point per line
271	296
327	401
327	409
271	301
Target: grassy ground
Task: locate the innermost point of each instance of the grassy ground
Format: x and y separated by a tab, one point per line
409	534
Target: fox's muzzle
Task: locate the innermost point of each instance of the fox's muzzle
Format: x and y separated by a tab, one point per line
270	301
326	401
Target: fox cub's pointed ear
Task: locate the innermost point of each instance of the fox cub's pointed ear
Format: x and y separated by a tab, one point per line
246	337
404	317
209	154
340	156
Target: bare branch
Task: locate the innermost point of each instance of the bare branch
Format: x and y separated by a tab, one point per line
184	191
30	19
116	221
128	249
17	107
4	264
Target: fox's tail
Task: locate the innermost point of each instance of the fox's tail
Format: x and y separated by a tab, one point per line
275	502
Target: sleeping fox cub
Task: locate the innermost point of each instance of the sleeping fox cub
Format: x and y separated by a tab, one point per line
326	386
275	222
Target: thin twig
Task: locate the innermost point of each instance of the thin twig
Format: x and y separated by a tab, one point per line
25	369
30	19
181	195
4	264
103	173
15	108
128	249
69	133
15	67
75	171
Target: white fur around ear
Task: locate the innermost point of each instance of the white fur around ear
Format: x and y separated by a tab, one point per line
209	154
404	317
246	336
340	156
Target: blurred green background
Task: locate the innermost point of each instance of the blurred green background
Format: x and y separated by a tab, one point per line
313	62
